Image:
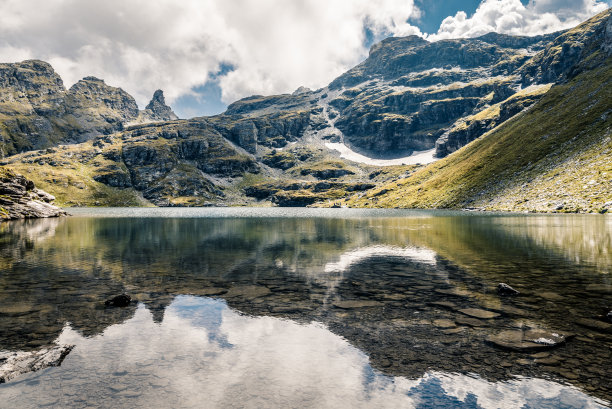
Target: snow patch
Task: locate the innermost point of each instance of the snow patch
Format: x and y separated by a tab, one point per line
418	157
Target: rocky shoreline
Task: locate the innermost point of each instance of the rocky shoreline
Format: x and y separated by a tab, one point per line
20	199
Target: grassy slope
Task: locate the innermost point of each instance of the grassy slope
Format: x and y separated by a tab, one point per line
559	153
70	178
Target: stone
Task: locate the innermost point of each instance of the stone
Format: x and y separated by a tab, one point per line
600	326
609	316
550	296
527	340
13	364
350	304
472	322
247	291
122	300
443	323
453	331
478	313
505	289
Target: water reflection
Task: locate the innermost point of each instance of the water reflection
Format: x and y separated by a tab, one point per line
208	355
393	291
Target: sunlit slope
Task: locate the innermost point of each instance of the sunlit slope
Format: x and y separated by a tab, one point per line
555	156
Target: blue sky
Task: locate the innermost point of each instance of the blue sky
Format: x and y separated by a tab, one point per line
205	54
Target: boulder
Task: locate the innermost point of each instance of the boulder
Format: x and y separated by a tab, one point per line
122	300
15	363
527	339
505	289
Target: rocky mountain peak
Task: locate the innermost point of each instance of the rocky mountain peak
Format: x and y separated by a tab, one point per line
159	111
96	94
397	43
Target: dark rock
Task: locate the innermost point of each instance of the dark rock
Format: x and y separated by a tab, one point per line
609	316
505	289
122	300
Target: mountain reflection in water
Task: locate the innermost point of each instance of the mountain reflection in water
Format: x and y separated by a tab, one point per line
308	309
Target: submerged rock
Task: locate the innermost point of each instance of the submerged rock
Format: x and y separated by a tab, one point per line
527	340
350	304
478	313
609	316
122	300
505	289
597	325
15	363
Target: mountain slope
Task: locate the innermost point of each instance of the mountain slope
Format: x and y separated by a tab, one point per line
409	95
555	156
37	111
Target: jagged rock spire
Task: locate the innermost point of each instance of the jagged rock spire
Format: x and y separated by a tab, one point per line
159	109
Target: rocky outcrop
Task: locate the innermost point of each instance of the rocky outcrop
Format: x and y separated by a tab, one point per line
465	130
19	199
410	91
94	108
274	130
38	112
156	110
561	59
15	363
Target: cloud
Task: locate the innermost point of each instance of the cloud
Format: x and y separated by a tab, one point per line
273	45
512	17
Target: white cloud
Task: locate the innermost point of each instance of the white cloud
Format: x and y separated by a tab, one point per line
274	45
512	17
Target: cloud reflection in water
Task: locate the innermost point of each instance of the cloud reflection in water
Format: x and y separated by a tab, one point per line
205	354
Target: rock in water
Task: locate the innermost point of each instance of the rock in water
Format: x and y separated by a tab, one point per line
527	340
505	289
609	316
122	300
13	364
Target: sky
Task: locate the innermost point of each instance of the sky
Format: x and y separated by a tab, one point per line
205	54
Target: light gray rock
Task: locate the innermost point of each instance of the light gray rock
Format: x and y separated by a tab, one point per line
15	363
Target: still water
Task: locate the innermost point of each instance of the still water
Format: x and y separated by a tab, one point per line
294	308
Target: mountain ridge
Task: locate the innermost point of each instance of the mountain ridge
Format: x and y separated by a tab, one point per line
279	149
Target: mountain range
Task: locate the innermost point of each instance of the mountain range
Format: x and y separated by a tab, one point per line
496	122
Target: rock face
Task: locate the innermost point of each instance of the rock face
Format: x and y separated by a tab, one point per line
94	108
157	110
19	199
467	129
38	112
13	364
409	91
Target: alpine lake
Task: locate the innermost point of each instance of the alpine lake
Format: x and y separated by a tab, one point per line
309	308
